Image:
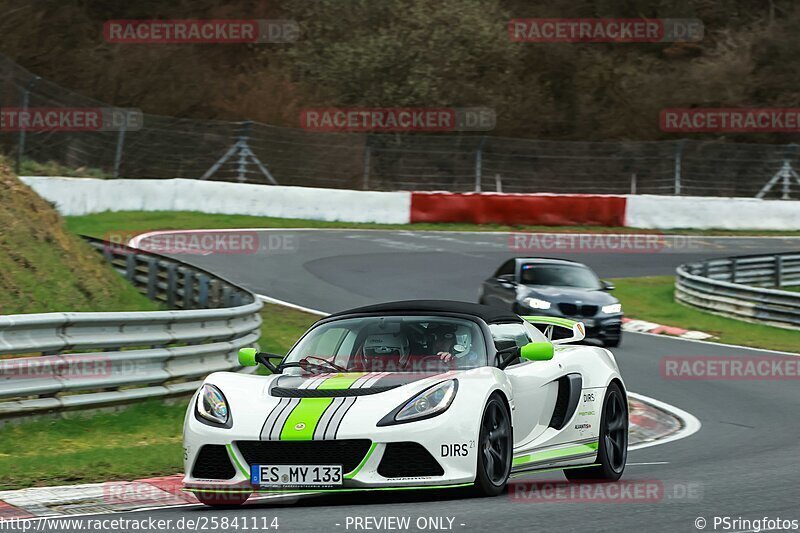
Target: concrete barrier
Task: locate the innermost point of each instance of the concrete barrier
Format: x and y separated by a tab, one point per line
81	196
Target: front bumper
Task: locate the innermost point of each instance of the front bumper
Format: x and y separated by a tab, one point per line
436	452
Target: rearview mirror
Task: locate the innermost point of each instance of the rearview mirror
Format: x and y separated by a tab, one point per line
607	285
537	351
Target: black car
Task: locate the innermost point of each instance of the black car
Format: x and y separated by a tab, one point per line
556	287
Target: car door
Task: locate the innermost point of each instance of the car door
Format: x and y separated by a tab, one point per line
534	384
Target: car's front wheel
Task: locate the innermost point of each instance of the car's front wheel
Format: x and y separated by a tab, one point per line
612	342
222	498
612	449
495	448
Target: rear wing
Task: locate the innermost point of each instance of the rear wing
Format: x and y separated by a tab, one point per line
577	328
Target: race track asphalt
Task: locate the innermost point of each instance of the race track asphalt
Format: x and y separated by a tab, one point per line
744	462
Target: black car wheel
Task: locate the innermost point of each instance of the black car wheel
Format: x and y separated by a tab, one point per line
495	448
612	450
613	342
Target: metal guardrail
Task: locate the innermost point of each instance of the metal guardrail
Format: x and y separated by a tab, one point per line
82	360
747	288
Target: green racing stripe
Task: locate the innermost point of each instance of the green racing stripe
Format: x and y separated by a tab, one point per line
560	453
303	420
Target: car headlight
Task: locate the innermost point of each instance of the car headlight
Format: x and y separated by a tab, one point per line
212	406
428	403
536	303
612	309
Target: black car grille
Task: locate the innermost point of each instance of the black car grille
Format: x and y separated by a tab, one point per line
408	459
347	453
578	310
213	463
283	392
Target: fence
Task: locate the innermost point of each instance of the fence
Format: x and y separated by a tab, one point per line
259	153
747	288
98	359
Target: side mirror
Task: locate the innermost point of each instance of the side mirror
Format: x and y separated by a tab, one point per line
607	285
252	357
537	351
247	356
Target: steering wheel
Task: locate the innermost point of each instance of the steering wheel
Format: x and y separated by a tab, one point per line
328	363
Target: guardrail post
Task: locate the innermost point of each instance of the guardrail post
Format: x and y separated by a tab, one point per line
172	283
734	266
779	271
202	292
152	277
188	289
130	268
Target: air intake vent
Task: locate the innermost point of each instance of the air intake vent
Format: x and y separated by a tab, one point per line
408	459
213	463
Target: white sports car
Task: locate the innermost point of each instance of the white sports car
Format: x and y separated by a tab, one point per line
416	394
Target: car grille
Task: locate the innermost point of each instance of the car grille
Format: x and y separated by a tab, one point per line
213	463
578	310
408	459
347	453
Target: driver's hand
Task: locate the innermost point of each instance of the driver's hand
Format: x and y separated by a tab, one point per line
445	356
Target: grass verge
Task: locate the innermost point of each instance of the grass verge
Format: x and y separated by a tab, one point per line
139	441
124	222
652	299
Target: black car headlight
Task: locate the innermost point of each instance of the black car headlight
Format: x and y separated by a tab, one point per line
431	402
612	309
212	406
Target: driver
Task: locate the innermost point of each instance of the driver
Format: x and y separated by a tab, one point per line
383	351
454	343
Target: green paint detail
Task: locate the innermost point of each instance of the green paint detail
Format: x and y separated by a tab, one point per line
555	454
242	469
356	470
303	420
247	356
341	381
537	351
318	491
551	320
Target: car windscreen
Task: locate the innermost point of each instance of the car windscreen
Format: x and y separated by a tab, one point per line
428	344
559	276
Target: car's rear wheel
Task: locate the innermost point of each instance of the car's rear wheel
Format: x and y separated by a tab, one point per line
612	451
222	499
495	448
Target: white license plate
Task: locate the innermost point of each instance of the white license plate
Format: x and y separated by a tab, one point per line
288	476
